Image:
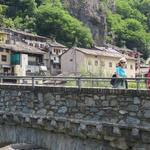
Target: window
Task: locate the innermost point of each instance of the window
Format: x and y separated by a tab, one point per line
71	59
4	58
7	50
57	51
54	66
36	45
31	44
41	45
131	67
1	49
110	64
96	63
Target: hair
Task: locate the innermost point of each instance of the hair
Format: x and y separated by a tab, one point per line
119	64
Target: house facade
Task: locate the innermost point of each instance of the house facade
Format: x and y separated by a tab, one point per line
131	53
94	62
52	48
3	37
52	56
20	59
4	54
25	37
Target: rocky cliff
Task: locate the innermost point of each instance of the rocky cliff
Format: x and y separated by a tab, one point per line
92	13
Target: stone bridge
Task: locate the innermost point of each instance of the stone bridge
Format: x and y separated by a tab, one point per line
59	118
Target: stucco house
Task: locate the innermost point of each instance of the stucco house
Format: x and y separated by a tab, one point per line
25	37
20	59
93	61
52	56
51	48
3	37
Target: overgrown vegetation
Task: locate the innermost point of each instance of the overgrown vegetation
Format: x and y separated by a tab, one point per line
130	25
47	18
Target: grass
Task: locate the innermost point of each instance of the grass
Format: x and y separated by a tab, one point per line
132	84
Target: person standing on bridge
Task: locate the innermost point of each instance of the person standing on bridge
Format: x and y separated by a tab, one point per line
120	74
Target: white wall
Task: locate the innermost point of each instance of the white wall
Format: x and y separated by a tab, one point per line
69	67
24	63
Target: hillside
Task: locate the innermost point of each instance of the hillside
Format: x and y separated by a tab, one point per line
84	22
91	14
21	14
129	25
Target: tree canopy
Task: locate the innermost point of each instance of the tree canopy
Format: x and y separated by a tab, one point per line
130	25
47	18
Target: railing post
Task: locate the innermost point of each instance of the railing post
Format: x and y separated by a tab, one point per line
137	84
23	81
1	80
32	82
54	82
78	82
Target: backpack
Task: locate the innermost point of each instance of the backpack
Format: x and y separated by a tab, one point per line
112	81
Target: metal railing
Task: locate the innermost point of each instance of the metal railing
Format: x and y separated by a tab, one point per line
74	81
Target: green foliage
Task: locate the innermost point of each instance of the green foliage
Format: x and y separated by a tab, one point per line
26	23
130	25
46	17
54	21
21	8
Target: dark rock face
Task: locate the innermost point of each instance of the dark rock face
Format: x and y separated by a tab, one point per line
90	12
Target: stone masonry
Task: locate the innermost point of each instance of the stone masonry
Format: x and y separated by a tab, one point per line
114	119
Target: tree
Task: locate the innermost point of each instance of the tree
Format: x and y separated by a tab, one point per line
130	23
54	21
21	8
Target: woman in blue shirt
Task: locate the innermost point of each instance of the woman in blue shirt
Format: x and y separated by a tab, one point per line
120	73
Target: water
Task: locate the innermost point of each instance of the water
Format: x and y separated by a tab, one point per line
21	146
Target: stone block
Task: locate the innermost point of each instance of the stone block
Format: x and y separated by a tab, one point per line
113	103
120	144
136	100
89	102
42	112
105	103
135	132
116	131
62	110
147	114
132	120
133	108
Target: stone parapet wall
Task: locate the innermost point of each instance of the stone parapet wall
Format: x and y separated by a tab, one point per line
118	118
130	107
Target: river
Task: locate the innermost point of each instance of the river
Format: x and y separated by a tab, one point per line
21	146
